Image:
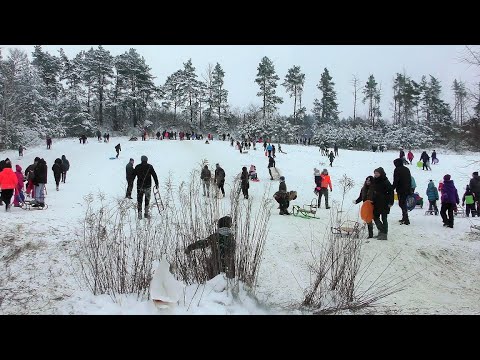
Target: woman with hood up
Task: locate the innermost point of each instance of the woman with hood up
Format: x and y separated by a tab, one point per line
19	196
57	171
382	202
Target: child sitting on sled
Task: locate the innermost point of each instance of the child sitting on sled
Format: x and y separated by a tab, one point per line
253	173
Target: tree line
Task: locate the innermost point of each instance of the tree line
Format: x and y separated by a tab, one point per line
60	96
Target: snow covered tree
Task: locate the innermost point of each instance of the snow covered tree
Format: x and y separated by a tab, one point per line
326	110
294	83
48	66
460	94
372	96
173	89
219	95
406	95
356	88
190	89
99	69
135	85
267	80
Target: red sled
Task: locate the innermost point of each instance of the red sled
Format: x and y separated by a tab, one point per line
266	153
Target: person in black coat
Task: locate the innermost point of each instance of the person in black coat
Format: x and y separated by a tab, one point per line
382	201
57	171
130	175
271	163
245	182
402	183
144	173
220	178
65	168
40	180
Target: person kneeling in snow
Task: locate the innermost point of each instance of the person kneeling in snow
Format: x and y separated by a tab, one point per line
222	244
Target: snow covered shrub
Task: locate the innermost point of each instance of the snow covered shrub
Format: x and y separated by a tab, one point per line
115	251
408	137
338	276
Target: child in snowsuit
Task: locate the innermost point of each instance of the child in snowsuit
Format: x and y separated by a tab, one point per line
253	172
19	197
57	171
410	156
432	195
469	199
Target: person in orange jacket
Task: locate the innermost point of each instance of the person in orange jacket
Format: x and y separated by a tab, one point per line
325	183
8	182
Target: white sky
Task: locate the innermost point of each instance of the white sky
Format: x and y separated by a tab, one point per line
240	64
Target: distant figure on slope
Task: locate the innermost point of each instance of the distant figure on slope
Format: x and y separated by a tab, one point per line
20	150
331	157
245	184
220	178
410	156
335	148
206	177
434	157
271	163
65	168
49	142
118	148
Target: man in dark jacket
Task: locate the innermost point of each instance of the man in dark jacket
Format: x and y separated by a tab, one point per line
65	168
283	198
222	245
382	201
220	178
206	177
130	175
144	172
475	188
402	182
271	163
39	180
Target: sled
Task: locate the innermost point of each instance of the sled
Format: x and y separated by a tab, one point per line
308	211
28	205
475	227
113	158
460	211
420	164
435	161
430	212
158	200
350	228
366	211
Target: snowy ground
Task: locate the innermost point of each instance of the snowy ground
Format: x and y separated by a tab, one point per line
36	246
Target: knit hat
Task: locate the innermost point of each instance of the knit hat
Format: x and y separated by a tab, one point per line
380	171
282	178
131	159
475	173
447	177
144	158
316	172
324	171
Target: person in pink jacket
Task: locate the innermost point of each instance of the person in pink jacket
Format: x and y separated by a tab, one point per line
19	196
8	182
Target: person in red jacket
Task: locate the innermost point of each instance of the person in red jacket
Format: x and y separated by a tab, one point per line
324	184
19	197
8	182
410	156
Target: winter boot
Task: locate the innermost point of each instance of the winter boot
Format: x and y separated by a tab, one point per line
370	230
139	215
147	215
382	236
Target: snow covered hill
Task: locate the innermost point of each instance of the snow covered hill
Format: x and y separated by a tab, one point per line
36	246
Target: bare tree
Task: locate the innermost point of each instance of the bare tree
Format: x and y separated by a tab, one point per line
356	88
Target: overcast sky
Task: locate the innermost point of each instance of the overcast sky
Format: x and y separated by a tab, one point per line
240	64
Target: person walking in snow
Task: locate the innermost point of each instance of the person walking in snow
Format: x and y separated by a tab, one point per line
57	171
8	183
271	164
475	187
382	201
331	157
469	199
434	157
324	183
335	148
144	173
206	177
245	184
366	194
118	148
449	200
20	150
269	149
19	197
432	195
65	168
40	174
410	156
130	177
219	178
402	183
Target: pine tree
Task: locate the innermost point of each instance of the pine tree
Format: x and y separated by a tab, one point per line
267	80
48	66
294	83
190	89
219	95
326	110
174	93
460	94
372	96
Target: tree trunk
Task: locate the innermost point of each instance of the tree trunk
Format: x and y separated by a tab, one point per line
100	99
295	105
